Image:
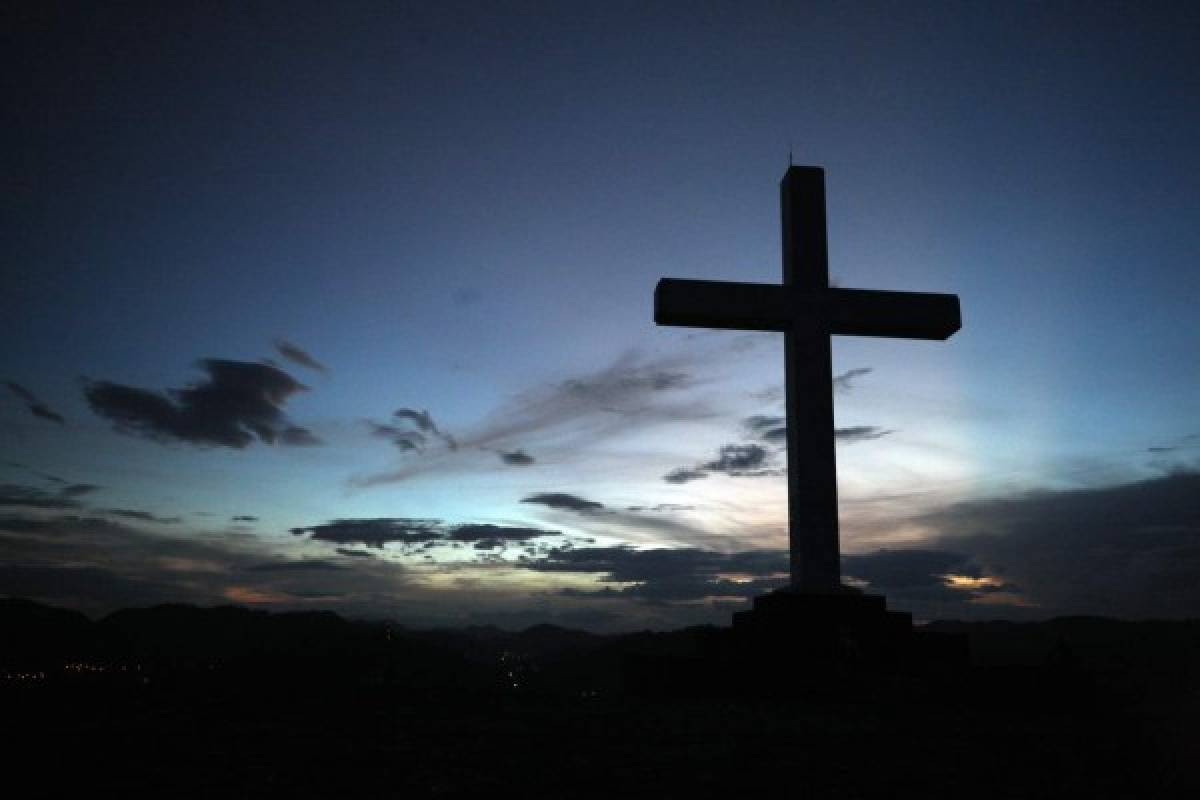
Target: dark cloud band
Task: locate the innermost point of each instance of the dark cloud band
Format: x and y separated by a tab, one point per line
376	532
563	502
736	460
236	404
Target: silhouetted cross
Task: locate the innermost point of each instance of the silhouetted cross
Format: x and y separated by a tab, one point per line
806	310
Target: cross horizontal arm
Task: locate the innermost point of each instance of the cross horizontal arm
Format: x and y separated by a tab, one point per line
723	304
772	307
901	315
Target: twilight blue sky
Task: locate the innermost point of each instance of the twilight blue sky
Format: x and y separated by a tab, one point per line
461	210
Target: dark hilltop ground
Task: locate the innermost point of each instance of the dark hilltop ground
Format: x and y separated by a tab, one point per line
176	701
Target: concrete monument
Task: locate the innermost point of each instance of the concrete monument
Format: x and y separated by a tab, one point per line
807	310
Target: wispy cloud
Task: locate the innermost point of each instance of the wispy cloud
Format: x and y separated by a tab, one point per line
300	565
46	476
410	431
663	507
35	406
773	430
33	497
1182	443
67	495
630	394
738	459
404	439
662	524
860	433
766	427
684	475
352	553
299	356
78	489
424	423
141	516
845	381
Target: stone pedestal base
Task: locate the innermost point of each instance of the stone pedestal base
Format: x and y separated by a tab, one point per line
795	643
843	625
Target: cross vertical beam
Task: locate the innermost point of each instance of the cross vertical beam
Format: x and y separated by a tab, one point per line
807	311
811	457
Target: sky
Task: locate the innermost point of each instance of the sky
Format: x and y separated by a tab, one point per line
349	306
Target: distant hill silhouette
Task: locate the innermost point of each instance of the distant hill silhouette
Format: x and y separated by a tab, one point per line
35	635
182	638
184	642
200	702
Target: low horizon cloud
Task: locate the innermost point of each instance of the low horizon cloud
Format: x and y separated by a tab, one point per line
1126	550
378	531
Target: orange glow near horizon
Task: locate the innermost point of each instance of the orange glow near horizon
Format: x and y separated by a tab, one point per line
967	582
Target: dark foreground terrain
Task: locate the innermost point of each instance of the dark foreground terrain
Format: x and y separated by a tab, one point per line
184	702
